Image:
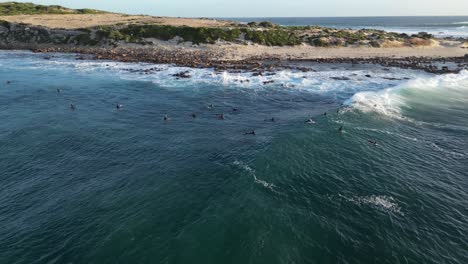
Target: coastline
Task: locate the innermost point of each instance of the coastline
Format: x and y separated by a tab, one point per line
224	58
145	139
224	45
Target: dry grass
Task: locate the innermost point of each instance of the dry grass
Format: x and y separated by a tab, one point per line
92	20
392	44
420	42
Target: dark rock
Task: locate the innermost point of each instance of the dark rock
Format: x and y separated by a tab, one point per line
343	78
184	74
391	79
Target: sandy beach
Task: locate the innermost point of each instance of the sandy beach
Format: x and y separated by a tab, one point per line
442	50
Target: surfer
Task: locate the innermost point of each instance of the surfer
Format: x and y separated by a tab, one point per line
59	90
310	121
221	116
250	133
271	119
166	118
72	107
340	129
193	115
119	106
373	142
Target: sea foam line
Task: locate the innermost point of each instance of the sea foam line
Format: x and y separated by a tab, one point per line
249	170
381	202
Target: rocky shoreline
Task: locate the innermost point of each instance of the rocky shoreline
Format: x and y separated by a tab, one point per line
212	59
106	44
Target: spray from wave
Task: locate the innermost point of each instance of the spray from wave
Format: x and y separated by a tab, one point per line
440	92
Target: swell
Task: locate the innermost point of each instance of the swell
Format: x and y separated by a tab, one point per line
441	95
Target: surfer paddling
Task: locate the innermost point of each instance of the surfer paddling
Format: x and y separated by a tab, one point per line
250	133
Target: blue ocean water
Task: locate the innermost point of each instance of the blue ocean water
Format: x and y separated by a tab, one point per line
104	185
441	26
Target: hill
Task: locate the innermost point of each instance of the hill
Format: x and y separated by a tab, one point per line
15	8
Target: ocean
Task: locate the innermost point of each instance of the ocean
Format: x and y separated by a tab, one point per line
379	176
440	26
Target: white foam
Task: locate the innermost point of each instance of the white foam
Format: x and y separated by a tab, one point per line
387	132
444	90
249	170
461	23
381	202
290	80
447	152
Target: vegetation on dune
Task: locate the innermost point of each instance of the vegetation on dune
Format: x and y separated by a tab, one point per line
263	24
272	37
165	32
276	36
262	33
201	35
15	8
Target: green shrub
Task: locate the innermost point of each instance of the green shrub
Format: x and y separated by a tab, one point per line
252	24
319	42
272	37
15	8
86	40
267	24
423	35
374	44
165	32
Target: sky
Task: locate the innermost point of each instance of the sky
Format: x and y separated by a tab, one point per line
271	8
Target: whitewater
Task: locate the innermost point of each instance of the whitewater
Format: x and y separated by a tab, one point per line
380	175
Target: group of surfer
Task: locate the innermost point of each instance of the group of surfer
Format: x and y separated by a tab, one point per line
221	117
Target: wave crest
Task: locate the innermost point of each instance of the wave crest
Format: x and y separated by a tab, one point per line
442	92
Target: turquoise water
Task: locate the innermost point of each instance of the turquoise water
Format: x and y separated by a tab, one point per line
103	185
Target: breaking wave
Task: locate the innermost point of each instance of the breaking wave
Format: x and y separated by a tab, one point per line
340	81
445	92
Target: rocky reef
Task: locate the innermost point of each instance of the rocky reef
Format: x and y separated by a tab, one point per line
131	43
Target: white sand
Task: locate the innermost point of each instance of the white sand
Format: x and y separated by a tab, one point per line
235	52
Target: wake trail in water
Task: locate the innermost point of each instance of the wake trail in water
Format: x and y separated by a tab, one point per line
380	202
250	171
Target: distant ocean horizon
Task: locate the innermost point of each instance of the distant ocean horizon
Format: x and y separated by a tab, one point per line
441	26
